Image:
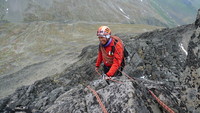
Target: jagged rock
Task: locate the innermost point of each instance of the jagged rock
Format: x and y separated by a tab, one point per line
191	76
165	62
71	101
122	98
197	22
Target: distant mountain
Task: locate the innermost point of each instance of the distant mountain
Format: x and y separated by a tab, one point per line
166	13
178	11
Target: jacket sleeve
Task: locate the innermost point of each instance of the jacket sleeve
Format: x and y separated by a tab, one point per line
118	58
99	58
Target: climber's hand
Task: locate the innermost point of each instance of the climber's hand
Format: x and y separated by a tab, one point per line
107	78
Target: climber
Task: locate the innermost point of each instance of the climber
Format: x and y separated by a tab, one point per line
111	52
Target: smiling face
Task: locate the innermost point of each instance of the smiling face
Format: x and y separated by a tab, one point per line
103	40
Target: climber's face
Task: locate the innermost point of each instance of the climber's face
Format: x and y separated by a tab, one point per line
103	40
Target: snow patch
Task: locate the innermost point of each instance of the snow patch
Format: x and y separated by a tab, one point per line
143	77
121	10
181	45
7	10
124	14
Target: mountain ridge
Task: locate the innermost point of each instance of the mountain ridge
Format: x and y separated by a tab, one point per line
165	61
129	12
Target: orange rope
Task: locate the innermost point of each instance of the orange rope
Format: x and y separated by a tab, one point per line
161	103
98	99
126	75
157	99
115	81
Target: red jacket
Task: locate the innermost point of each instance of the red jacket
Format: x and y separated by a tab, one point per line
114	60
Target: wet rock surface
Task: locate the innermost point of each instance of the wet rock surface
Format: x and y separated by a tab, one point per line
163	61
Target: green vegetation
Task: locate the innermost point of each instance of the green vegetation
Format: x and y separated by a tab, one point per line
174	11
163	14
22	44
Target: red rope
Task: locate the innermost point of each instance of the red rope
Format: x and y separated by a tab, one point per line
126	75
157	99
115	81
161	103
98	99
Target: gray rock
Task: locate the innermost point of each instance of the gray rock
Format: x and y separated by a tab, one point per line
159	62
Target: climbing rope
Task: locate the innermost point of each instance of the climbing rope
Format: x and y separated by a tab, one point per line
103	107
157	99
98	99
161	103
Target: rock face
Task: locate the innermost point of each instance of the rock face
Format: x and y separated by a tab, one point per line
164	61
197	22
